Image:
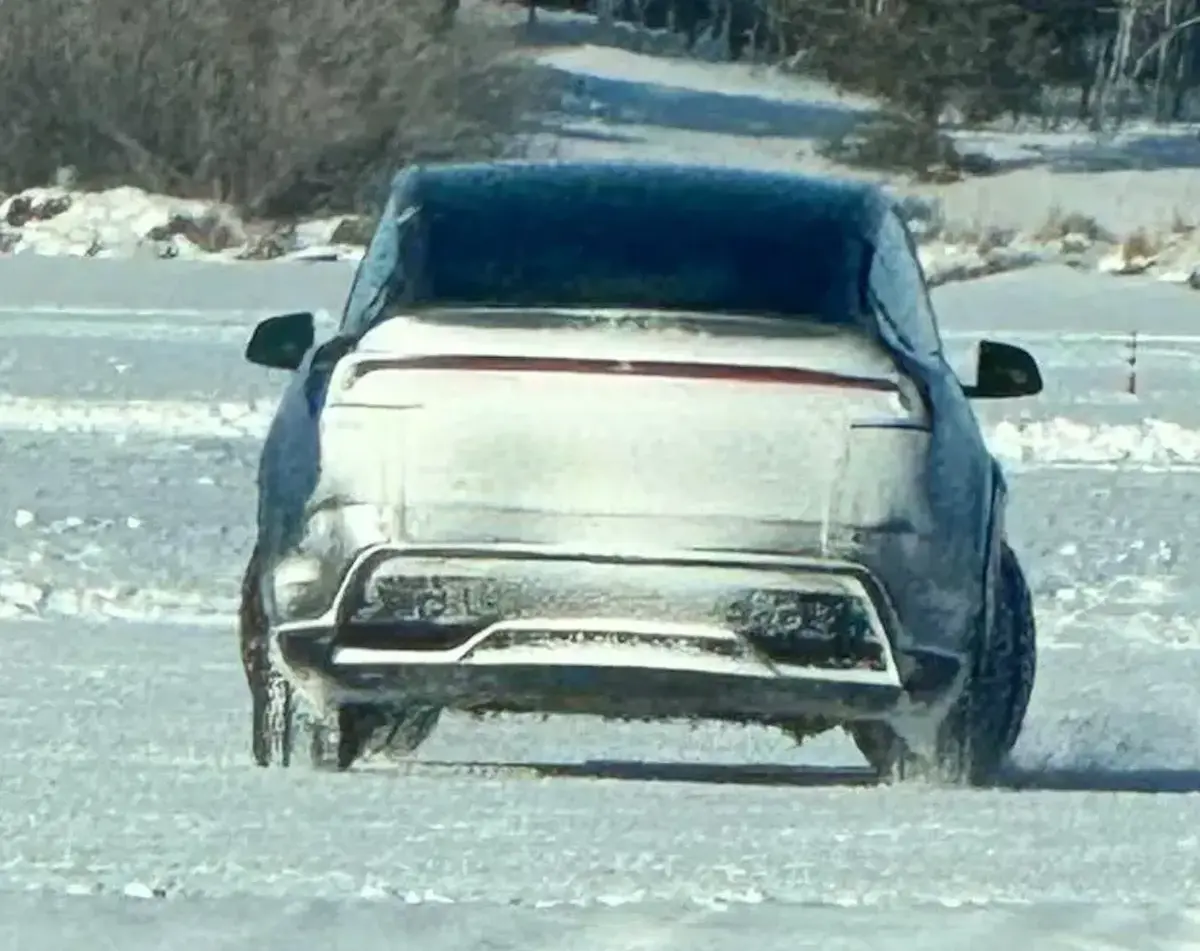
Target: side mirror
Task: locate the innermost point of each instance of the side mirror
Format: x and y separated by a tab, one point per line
1004	372
280	343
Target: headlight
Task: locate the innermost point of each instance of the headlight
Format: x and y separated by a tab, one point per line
305	580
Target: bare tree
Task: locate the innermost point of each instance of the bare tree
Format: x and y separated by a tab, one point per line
920	56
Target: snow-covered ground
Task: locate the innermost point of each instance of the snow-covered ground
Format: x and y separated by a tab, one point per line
129	427
130	223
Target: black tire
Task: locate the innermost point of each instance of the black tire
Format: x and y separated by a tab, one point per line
407	730
272	699
272	717
1023	636
334	742
324	740
361	731
981	729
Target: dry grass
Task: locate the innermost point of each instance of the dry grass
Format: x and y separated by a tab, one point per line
278	106
1059	224
1139	246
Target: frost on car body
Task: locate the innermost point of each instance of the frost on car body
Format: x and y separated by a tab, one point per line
635	441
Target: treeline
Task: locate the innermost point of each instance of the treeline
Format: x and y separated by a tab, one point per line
287	107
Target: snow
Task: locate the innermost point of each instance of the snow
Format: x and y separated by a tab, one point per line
141	818
131	814
125	419
379	917
1058	441
129	222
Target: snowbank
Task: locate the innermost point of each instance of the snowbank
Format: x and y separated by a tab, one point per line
1173	257
952	251
129	222
1152	444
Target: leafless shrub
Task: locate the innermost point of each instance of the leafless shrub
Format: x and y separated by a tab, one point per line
1060	224
1139	246
278	106
894	143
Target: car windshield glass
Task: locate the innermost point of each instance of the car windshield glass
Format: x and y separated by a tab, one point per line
604	254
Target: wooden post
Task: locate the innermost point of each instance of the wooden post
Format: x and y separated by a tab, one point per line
1131	387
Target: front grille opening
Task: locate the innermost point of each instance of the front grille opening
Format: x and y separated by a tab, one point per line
406	635
426	598
826	631
415	613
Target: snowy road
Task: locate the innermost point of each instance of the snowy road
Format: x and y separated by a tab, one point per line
124	766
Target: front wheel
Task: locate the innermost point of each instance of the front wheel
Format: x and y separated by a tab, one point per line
359	731
982	727
407	730
272	700
272	717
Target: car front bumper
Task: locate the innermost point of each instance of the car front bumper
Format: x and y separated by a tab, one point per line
548	629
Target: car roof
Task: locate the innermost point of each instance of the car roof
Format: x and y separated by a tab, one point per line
774	242
800	197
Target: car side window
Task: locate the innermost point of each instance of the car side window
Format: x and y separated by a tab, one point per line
897	286
367	279
381	274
